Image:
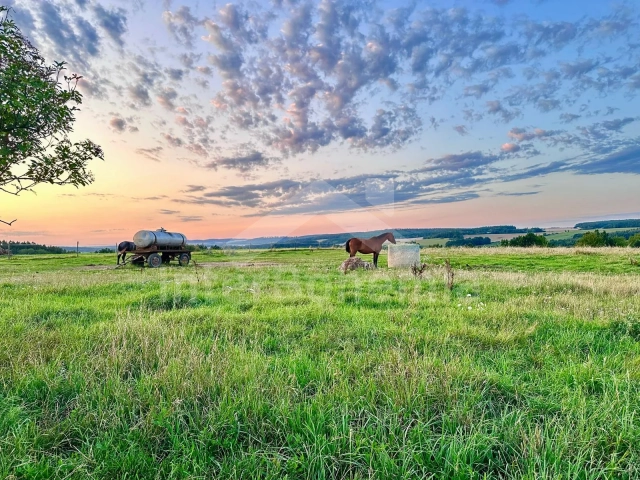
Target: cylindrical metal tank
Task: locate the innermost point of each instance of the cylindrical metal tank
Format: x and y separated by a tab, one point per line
160	238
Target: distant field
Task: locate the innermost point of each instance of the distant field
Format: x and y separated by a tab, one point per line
564	235
275	365
570	234
430	242
561	229
496	237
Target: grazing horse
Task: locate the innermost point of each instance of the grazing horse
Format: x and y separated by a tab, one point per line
370	245
123	248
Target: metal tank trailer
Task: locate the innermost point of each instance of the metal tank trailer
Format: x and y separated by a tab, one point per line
159	246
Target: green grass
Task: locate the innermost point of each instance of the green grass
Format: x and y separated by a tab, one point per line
529	368
430	242
595	260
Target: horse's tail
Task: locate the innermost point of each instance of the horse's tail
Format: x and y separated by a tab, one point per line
347	246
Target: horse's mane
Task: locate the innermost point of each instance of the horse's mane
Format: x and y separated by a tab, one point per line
382	235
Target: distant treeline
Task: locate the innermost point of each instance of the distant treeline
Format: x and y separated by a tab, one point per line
330	240
469	242
455	233
29	248
630	223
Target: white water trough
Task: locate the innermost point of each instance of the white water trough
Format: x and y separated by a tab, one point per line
403	255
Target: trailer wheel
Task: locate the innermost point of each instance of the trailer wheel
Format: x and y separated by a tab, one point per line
154	260
184	259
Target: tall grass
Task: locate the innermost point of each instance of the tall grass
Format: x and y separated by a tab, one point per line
523	370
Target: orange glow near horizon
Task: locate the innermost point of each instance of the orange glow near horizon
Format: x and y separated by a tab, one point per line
63	215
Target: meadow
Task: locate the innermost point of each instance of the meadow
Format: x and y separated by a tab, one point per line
273	364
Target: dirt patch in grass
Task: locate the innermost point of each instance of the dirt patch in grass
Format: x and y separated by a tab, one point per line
239	264
200	264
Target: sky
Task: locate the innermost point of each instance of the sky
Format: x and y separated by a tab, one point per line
287	117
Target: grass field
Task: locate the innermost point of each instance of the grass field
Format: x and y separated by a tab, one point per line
496	237
430	242
275	365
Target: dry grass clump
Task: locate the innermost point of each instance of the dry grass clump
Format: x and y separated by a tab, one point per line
417	269
449	274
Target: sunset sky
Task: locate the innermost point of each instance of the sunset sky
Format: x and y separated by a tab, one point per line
291	117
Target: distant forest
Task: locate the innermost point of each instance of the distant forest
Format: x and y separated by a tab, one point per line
28	248
630	223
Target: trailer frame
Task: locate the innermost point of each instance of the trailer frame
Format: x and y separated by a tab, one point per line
155	256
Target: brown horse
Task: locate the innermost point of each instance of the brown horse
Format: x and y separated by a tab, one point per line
370	245
123	248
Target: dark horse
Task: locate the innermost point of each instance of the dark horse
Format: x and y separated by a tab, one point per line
370	245
123	248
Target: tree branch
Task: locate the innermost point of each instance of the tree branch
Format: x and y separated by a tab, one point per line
9	223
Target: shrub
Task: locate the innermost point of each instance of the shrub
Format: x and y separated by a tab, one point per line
619	242
468	242
634	241
528	240
596	239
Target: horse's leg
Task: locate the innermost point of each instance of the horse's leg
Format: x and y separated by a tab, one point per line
352	250
118	262
375	259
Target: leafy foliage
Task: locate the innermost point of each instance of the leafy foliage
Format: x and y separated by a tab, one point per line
627	234
566	242
618	241
468	242
596	239
634	241
528	240
37	112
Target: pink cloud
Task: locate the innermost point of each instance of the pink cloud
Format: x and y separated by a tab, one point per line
510	148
